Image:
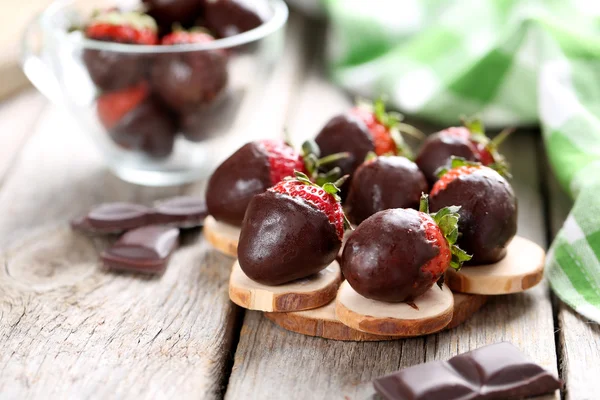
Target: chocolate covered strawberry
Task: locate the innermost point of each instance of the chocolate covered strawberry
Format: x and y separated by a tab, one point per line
291	231
469	142
169	12
231	17
365	128
186	80
398	254
384	182
488	213
136	122
251	170
111	70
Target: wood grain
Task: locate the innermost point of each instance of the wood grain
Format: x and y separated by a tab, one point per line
578	338
68	330
271	363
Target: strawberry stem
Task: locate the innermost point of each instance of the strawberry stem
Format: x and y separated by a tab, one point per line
501	137
313	164
447	220
455	162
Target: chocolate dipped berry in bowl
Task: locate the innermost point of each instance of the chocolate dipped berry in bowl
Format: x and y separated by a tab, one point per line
174	12
384	182
111	70
469	142
135	121
488	208
254	168
291	231
231	17
365	128
397	255
187	80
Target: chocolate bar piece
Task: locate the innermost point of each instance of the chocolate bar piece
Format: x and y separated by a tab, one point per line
146	249
497	371
182	211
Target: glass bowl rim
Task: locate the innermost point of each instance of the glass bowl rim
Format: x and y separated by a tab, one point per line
275	23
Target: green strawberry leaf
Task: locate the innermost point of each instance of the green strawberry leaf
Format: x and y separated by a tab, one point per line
455	162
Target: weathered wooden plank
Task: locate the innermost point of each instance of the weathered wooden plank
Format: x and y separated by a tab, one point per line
272	363
18	116
69	330
578	338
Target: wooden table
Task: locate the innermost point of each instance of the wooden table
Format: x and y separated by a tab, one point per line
68	330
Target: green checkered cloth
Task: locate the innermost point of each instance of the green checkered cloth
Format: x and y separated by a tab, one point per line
513	62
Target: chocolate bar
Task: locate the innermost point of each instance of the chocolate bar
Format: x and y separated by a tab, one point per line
113	218
146	249
497	371
182	211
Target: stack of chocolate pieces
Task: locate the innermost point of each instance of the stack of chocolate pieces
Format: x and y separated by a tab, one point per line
498	371
149	234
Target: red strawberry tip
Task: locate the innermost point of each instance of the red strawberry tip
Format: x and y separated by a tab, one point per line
447	220
456	162
487	148
332	188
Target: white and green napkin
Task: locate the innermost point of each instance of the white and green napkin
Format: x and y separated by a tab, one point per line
513	62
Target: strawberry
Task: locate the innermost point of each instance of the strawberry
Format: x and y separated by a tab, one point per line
113	70
488	208
231	17
188	80
378	268
136	122
113	106
469	142
384	182
291	231
254	168
169	12
365	128
122	27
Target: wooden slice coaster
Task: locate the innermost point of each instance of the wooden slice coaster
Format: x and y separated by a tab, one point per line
521	269
223	237
302	294
430	312
322	322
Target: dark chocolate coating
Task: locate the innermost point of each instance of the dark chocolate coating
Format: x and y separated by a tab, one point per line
488	214
210	120
244	174
111	70
186	80
146	249
231	17
284	239
437	150
386	182
148	128
168	12
382	258
345	133
498	371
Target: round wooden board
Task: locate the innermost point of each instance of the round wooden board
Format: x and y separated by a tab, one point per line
322	322
302	294
223	237
432	312
521	269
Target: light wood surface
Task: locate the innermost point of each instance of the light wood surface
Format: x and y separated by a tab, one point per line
431	312
521	269
302	294
221	236
69	331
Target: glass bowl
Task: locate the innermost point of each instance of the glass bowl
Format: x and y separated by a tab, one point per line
191	102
